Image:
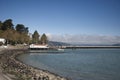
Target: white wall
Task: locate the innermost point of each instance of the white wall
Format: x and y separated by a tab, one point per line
2	40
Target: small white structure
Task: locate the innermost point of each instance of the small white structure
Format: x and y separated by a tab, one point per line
2	40
38	47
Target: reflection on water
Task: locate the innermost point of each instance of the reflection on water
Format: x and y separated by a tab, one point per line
81	64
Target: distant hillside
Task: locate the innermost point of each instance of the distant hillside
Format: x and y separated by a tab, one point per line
55	43
91	44
88	44
116	44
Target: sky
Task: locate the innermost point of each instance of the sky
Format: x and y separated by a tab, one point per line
61	17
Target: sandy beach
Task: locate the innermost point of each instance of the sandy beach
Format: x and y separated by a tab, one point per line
12	69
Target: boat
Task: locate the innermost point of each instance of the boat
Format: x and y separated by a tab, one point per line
36	48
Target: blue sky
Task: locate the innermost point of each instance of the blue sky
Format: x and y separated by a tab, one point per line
91	17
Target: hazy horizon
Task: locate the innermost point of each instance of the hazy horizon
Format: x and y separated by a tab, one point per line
85	39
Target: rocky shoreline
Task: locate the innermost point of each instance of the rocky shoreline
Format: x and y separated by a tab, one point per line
20	71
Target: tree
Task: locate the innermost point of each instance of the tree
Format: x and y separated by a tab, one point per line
8	35
35	37
44	39
1	24
7	25
23	33
21	28
14	36
1	28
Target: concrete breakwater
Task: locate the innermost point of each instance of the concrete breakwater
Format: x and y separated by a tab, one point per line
21	71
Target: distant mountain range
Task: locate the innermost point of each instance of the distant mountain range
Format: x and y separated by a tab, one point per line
116	44
55	43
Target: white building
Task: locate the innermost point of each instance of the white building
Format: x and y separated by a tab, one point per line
2	40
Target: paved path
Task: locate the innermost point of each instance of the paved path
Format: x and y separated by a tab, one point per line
3	76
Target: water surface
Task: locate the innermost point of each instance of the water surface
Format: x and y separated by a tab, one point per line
79	64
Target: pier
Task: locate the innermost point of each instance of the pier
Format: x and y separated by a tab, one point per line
88	47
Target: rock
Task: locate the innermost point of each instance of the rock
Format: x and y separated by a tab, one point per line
11	65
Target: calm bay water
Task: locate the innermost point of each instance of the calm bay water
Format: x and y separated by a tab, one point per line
80	64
